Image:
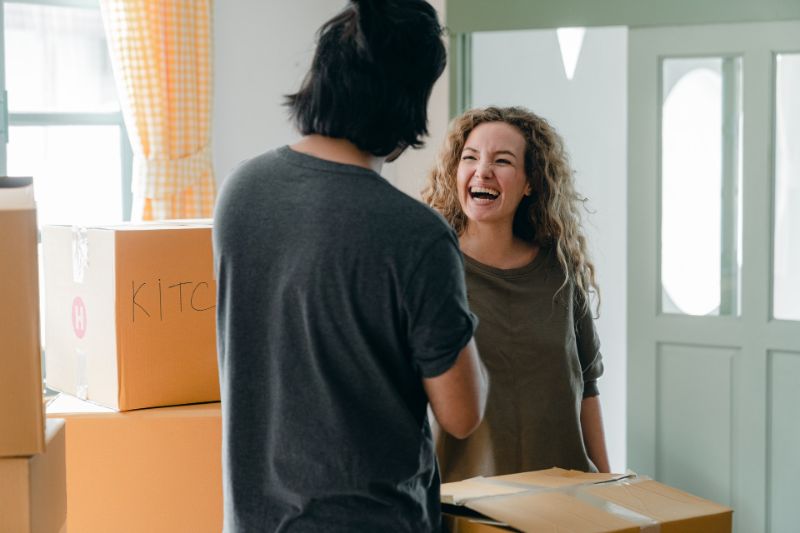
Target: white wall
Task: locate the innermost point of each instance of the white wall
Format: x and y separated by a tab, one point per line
590	112
262	50
410	171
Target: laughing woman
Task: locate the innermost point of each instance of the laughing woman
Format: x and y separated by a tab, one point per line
504	183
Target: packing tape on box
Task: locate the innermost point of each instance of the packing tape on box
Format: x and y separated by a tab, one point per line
579	492
645	523
81	374
80	253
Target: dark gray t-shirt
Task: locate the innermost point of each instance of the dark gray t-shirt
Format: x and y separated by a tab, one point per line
337	294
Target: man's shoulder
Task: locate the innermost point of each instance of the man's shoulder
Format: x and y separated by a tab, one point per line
417	218
256	165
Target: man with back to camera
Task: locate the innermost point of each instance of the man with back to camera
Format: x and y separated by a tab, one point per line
341	301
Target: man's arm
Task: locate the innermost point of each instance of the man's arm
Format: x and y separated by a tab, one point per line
458	396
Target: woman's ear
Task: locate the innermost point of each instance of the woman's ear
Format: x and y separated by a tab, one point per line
528	191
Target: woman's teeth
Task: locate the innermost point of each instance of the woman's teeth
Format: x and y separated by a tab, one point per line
484	193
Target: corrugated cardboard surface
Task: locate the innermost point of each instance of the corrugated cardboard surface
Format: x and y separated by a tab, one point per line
154	470
33	496
21	412
167	349
148	298
557	500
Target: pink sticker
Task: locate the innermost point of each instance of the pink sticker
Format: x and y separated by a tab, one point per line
78	317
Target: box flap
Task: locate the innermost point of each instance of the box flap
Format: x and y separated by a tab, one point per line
479	487
458	492
558	477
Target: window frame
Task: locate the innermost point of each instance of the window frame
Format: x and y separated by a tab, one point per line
8	120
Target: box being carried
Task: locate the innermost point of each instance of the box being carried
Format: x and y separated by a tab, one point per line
129	320
578	502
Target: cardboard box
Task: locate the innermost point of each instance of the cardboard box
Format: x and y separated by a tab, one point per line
21	411
562	500
154	470
33	493
130	319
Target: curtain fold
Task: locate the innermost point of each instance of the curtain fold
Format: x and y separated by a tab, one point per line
161	56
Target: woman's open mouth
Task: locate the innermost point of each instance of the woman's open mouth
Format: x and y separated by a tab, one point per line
484	195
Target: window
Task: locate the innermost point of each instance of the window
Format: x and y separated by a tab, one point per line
700	183
786	260
60	118
65	127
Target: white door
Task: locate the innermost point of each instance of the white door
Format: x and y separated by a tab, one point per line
714	265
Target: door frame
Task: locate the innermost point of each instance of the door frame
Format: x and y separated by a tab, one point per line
464	17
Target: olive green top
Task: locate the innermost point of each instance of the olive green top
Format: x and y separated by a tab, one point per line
542	355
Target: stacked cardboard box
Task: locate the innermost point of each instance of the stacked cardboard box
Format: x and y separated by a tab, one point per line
32	479
33	495
130	319
563	500
130	327
155	470
21	410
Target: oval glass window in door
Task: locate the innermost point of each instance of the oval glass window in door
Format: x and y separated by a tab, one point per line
700	175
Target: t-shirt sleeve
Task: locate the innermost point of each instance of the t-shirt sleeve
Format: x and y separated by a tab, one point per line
439	321
588	350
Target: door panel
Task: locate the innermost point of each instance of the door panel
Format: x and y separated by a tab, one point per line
784	441
693	426
707	395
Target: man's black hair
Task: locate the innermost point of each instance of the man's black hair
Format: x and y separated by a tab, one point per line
372	75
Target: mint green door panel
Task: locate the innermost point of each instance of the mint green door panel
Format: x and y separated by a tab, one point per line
783	487
713	400
694	419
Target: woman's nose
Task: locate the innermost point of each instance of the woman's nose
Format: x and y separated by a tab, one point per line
483	169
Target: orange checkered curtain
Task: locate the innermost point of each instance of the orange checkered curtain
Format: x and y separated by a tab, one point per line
161	56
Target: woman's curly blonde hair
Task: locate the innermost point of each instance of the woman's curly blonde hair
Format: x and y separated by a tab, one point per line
549	217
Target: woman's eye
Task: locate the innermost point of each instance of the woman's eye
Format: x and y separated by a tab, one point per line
468	158
503	162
